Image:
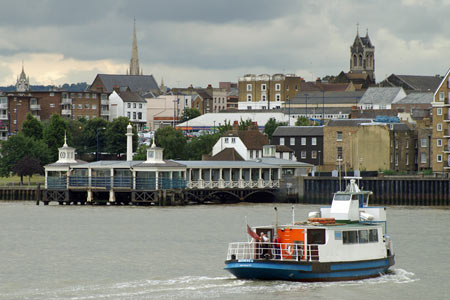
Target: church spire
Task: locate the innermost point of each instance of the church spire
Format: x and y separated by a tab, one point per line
134	61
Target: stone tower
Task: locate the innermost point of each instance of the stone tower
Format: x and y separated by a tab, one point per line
23	82
134	61
362	56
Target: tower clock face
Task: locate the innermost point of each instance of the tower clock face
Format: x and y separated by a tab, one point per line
62	155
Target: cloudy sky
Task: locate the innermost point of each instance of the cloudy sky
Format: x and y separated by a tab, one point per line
206	41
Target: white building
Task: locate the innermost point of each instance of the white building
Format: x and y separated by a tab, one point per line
166	109
124	103
381	97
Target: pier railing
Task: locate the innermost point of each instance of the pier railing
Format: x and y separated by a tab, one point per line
272	251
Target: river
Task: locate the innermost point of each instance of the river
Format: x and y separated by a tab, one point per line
110	252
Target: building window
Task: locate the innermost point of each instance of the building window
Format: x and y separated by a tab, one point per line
263	87
251	154
86	106
140	105
52	105
249	87
439	158
303	141
339	136
128	105
104	97
139	116
134	105
52	94
226	140
277	87
396	159
439	111
396	144
441	96
314	154
86	95
282	141
249	97
423	142
278	97
439	127
292	141
80	106
314	141
129	115
303	154
233	140
423	158
439	142
339	153
263	97
407	159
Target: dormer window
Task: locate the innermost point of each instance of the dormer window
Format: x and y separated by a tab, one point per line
226	140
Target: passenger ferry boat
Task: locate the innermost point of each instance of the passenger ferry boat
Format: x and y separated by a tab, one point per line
346	241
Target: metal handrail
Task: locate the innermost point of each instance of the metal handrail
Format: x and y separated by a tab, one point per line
272	251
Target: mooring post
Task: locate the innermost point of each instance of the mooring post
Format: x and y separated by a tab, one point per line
38	193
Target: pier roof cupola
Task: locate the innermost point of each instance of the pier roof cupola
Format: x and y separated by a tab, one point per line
66	153
155	154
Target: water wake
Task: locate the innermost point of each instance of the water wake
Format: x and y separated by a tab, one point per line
197	287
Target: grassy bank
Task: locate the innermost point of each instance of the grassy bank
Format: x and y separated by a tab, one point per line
15	180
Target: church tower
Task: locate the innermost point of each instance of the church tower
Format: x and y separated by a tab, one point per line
134	61
23	82
362	56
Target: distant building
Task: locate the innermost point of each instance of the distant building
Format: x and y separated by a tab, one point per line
412	83
125	103
23	82
381	98
266	91
142	84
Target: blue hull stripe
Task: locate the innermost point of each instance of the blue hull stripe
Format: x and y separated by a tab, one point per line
262	270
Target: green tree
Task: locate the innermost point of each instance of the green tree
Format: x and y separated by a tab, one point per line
116	140
271	125
28	166
201	145
32	127
190	113
302	121
98	125
77	132
141	152
17	148
172	140
244	125
54	132
225	127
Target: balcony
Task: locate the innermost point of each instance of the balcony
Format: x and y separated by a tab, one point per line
66	112
35	107
66	101
4	117
446	133
446	149
4	106
105	102
104	112
3	138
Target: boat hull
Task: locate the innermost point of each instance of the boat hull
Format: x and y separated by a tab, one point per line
308	271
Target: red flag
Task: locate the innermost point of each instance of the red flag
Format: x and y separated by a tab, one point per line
252	233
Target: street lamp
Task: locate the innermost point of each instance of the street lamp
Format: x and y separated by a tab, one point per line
319	164
96	130
306	99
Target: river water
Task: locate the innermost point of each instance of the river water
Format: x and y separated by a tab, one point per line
108	252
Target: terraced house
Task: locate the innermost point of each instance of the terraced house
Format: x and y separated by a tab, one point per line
441	127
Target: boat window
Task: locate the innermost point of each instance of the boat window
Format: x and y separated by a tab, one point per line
363	236
338	235
373	235
355	197
316	236
350	237
341	197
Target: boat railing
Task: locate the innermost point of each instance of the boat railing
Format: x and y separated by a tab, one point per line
272	251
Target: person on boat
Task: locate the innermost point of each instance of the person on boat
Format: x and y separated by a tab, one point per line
277	245
264	244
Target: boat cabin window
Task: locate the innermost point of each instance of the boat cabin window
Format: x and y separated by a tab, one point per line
360	236
373	235
316	236
342	197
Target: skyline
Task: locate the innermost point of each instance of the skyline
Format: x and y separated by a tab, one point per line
194	42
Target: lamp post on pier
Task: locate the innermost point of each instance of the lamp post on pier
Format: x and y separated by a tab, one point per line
96	130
